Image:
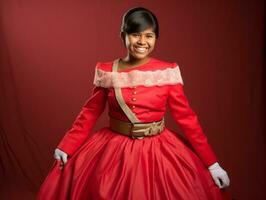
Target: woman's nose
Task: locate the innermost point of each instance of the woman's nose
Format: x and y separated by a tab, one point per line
141	39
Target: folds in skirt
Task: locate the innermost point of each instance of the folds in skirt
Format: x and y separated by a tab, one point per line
110	166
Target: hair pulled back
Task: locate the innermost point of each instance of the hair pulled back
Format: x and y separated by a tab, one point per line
138	19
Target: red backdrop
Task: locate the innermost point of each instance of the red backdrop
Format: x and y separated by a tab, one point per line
48	53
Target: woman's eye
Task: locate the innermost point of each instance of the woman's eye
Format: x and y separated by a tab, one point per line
135	34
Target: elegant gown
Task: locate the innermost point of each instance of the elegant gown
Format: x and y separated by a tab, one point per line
112	166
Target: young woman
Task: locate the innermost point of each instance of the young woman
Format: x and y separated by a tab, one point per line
136	157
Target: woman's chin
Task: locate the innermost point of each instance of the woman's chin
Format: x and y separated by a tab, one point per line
140	56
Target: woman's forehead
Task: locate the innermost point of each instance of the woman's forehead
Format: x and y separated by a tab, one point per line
147	30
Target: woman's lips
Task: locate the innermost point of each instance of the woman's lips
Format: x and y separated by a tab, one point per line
141	49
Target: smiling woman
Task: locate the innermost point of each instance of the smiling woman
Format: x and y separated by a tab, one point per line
139	32
139	45
136	156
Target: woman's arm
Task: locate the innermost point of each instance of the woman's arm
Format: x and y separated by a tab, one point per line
84	122
188	121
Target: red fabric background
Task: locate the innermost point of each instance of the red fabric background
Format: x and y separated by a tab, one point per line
48	53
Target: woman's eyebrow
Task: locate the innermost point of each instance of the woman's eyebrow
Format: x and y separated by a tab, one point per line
151	33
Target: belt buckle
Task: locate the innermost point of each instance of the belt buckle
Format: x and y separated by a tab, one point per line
133	125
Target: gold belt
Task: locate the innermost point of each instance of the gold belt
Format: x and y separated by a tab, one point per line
137	130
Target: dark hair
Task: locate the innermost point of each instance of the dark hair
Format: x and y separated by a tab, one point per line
138	19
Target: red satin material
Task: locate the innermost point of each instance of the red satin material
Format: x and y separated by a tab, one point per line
113	166
150	106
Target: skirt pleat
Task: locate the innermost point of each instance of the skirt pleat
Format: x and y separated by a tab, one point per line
111	166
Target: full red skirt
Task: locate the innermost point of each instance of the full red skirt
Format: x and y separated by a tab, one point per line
110	166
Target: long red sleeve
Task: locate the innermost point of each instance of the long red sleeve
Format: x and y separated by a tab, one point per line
188	121
85	121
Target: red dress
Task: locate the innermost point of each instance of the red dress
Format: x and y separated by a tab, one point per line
111	166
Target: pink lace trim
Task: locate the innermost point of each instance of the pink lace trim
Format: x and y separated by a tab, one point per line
168	76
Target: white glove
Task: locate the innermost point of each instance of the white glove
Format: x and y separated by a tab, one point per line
61	157
219	176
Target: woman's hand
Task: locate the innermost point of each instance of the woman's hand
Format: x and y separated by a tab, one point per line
219	176
61	157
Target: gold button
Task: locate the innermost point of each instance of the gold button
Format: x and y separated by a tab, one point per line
134	99
133	107
134	92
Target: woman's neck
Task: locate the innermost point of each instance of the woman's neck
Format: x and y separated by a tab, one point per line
131	61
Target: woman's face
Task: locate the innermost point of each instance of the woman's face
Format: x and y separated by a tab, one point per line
140	45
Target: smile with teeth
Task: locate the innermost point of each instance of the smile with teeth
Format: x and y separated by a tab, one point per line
141	49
